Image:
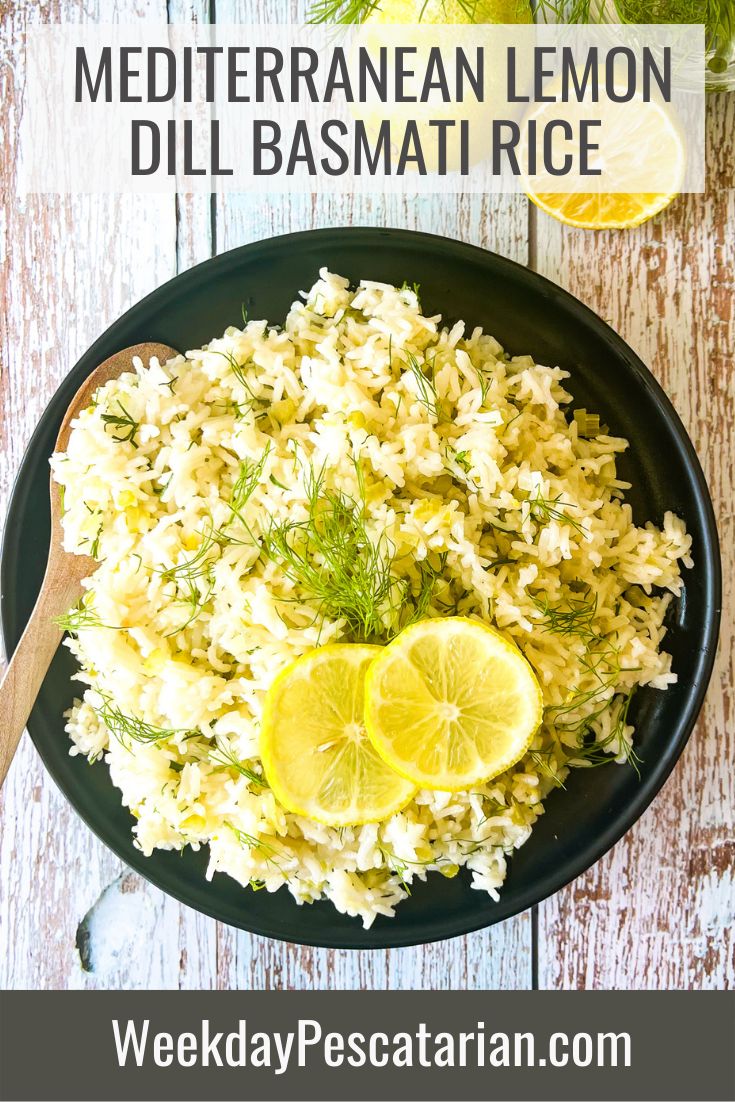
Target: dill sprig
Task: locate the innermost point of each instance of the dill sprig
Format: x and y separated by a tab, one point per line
574	616
198	565
127	728
402	866
595	751
542	759
193	578
247	480
543	510
425	387
191	594
227	759
269	851
331	556
123	421
82	615
238	370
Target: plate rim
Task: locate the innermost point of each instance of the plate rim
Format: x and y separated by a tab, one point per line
533	894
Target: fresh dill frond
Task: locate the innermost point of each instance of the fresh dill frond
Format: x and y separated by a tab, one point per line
269	851
127	728
542	759
227	759
425	388
595	751
199	564
123	421
341	11
82	615
574	616
331	556
248	478
239	371
543	510
190	593
193	578
419	602
401	866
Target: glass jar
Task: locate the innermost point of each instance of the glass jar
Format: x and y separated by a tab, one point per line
718	17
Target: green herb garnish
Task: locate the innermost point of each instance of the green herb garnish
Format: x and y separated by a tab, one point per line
128	728
122	420
425	387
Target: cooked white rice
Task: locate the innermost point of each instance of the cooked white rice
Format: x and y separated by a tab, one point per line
482	473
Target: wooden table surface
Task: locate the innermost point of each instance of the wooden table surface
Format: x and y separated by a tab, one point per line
656	912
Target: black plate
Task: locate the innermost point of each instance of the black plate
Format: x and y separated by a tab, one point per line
527	314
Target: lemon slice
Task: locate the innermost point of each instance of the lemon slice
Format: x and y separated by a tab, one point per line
639	144
450	703
317	757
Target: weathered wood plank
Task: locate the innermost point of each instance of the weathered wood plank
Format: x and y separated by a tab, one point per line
659	910
70	266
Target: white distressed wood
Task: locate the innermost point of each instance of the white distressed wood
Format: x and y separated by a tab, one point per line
659	911
69	268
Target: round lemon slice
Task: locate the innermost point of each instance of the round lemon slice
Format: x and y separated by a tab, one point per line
316	755
640	143
451	703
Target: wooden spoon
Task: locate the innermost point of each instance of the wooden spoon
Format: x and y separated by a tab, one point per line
62	582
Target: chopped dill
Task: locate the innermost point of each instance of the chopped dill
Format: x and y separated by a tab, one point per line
415	287
462	460
122	421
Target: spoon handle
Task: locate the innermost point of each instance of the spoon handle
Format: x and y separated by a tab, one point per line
32	658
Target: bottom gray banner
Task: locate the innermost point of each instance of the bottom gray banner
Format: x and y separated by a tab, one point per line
332	1045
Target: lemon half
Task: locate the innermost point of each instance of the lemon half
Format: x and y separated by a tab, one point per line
451	703
636	141
315	752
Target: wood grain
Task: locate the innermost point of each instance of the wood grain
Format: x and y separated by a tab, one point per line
64	278
659	910
656	912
